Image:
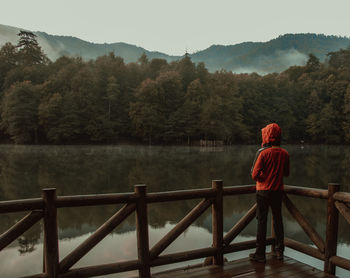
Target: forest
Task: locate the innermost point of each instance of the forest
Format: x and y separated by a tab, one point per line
108	101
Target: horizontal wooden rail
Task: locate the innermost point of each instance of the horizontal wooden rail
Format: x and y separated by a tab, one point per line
306	191
304	224
184	256
41	275
245	245
239	189
104	269
160	246
21	205
239	246
304	248
95	200
112	198
342	196
96	237
19	228
341	262
180	195
240	225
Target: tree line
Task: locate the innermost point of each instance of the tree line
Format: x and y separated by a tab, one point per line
105	100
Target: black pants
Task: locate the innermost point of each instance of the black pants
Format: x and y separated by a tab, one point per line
264	200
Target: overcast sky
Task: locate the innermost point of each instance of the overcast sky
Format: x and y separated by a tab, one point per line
175	26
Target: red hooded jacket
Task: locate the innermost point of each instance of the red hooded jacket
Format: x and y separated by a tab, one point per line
272	163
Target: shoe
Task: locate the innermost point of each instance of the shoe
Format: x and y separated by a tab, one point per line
257	258
278	255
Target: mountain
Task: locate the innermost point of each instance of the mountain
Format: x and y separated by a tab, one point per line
273	56
262	57
57	46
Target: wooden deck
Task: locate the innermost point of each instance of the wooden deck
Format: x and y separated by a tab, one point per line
245	268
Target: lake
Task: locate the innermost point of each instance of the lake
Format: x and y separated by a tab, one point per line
25	170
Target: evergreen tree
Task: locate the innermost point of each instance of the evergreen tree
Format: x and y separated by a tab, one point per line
29	51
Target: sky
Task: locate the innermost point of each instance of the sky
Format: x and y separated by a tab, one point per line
177	27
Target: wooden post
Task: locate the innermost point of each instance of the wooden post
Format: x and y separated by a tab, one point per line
142	231
218	222
50	232
331	229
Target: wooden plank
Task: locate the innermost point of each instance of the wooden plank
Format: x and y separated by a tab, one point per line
189	270
304	224
19	228
96	237
241	266
288	270
247	269
282	272
310	272
244	267
271	268
306	191
180	227
164	273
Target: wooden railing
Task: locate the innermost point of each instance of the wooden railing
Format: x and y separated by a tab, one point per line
46	208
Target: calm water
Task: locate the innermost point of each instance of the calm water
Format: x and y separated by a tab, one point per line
25	170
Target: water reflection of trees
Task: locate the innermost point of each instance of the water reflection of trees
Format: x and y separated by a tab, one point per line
102	169
27	241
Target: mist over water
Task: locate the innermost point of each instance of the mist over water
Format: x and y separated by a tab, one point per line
25	170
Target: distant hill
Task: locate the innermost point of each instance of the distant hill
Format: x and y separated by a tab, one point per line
273	56
263	57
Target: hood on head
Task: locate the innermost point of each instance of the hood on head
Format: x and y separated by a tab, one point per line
271	134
